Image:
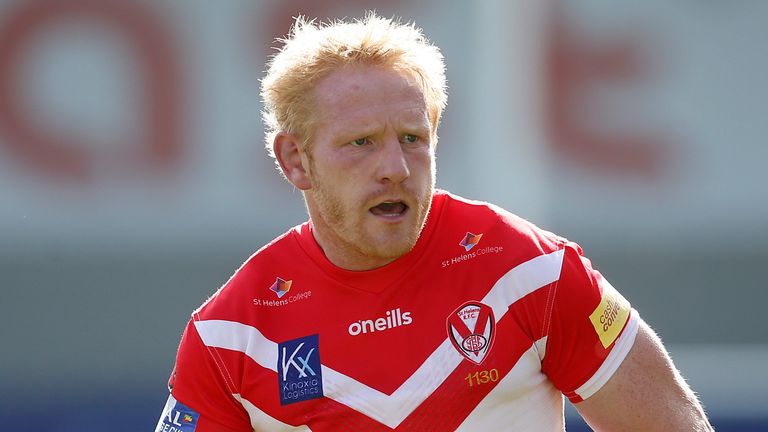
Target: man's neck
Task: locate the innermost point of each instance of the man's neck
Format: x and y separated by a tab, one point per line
344	255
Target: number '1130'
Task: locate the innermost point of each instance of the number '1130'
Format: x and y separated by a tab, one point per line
482	377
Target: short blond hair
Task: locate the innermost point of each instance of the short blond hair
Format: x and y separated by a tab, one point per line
311	52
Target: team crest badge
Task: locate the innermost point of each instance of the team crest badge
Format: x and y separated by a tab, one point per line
471	329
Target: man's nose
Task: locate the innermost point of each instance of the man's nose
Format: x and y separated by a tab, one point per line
393	165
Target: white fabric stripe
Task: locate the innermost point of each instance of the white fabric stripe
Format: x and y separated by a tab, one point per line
239	337
523	280
536	406
261	421
393	409
541	347
389	410
613	361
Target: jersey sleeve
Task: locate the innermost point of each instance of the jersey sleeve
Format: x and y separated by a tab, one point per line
202	399
590	329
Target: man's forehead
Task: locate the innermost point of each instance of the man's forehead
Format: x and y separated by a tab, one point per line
361	87
414	115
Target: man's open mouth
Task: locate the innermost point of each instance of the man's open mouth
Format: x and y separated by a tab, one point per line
389	209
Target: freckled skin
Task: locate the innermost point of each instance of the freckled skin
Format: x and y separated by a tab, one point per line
384	110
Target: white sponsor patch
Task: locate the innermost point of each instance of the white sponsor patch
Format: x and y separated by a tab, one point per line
177	417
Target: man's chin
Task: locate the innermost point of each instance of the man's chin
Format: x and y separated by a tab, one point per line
389	248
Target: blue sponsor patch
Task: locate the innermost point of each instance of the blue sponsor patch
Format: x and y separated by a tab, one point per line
298	370
177	417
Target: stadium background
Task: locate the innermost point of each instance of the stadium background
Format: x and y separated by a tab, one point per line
133	180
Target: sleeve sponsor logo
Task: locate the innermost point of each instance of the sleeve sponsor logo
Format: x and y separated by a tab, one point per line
177	417
471	329
299	370
610	315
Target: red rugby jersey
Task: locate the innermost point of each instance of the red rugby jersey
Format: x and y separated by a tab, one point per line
487	322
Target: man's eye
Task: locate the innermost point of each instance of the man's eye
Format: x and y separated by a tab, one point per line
410	138
359	142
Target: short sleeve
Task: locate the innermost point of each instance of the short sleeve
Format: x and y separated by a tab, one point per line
590	329
200	391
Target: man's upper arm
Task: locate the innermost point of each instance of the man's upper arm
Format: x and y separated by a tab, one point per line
201	400
646	393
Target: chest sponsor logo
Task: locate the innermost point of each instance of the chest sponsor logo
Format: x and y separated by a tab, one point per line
471	329
280	288
610	315
177	417
469	242
298	370
393	318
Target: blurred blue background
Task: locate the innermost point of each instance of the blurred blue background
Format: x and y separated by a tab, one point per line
133	179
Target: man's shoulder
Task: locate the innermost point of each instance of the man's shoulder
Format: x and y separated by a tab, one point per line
463	206
488	217
259	271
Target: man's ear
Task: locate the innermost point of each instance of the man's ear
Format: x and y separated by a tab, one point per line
289	154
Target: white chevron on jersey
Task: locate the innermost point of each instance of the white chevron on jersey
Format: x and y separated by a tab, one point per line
526	379
392	409
523	280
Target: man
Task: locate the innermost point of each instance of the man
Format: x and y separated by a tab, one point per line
398	306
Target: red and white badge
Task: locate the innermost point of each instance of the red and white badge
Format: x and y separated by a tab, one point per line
471	329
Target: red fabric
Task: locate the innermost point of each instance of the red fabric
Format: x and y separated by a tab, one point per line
429	283
200	385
